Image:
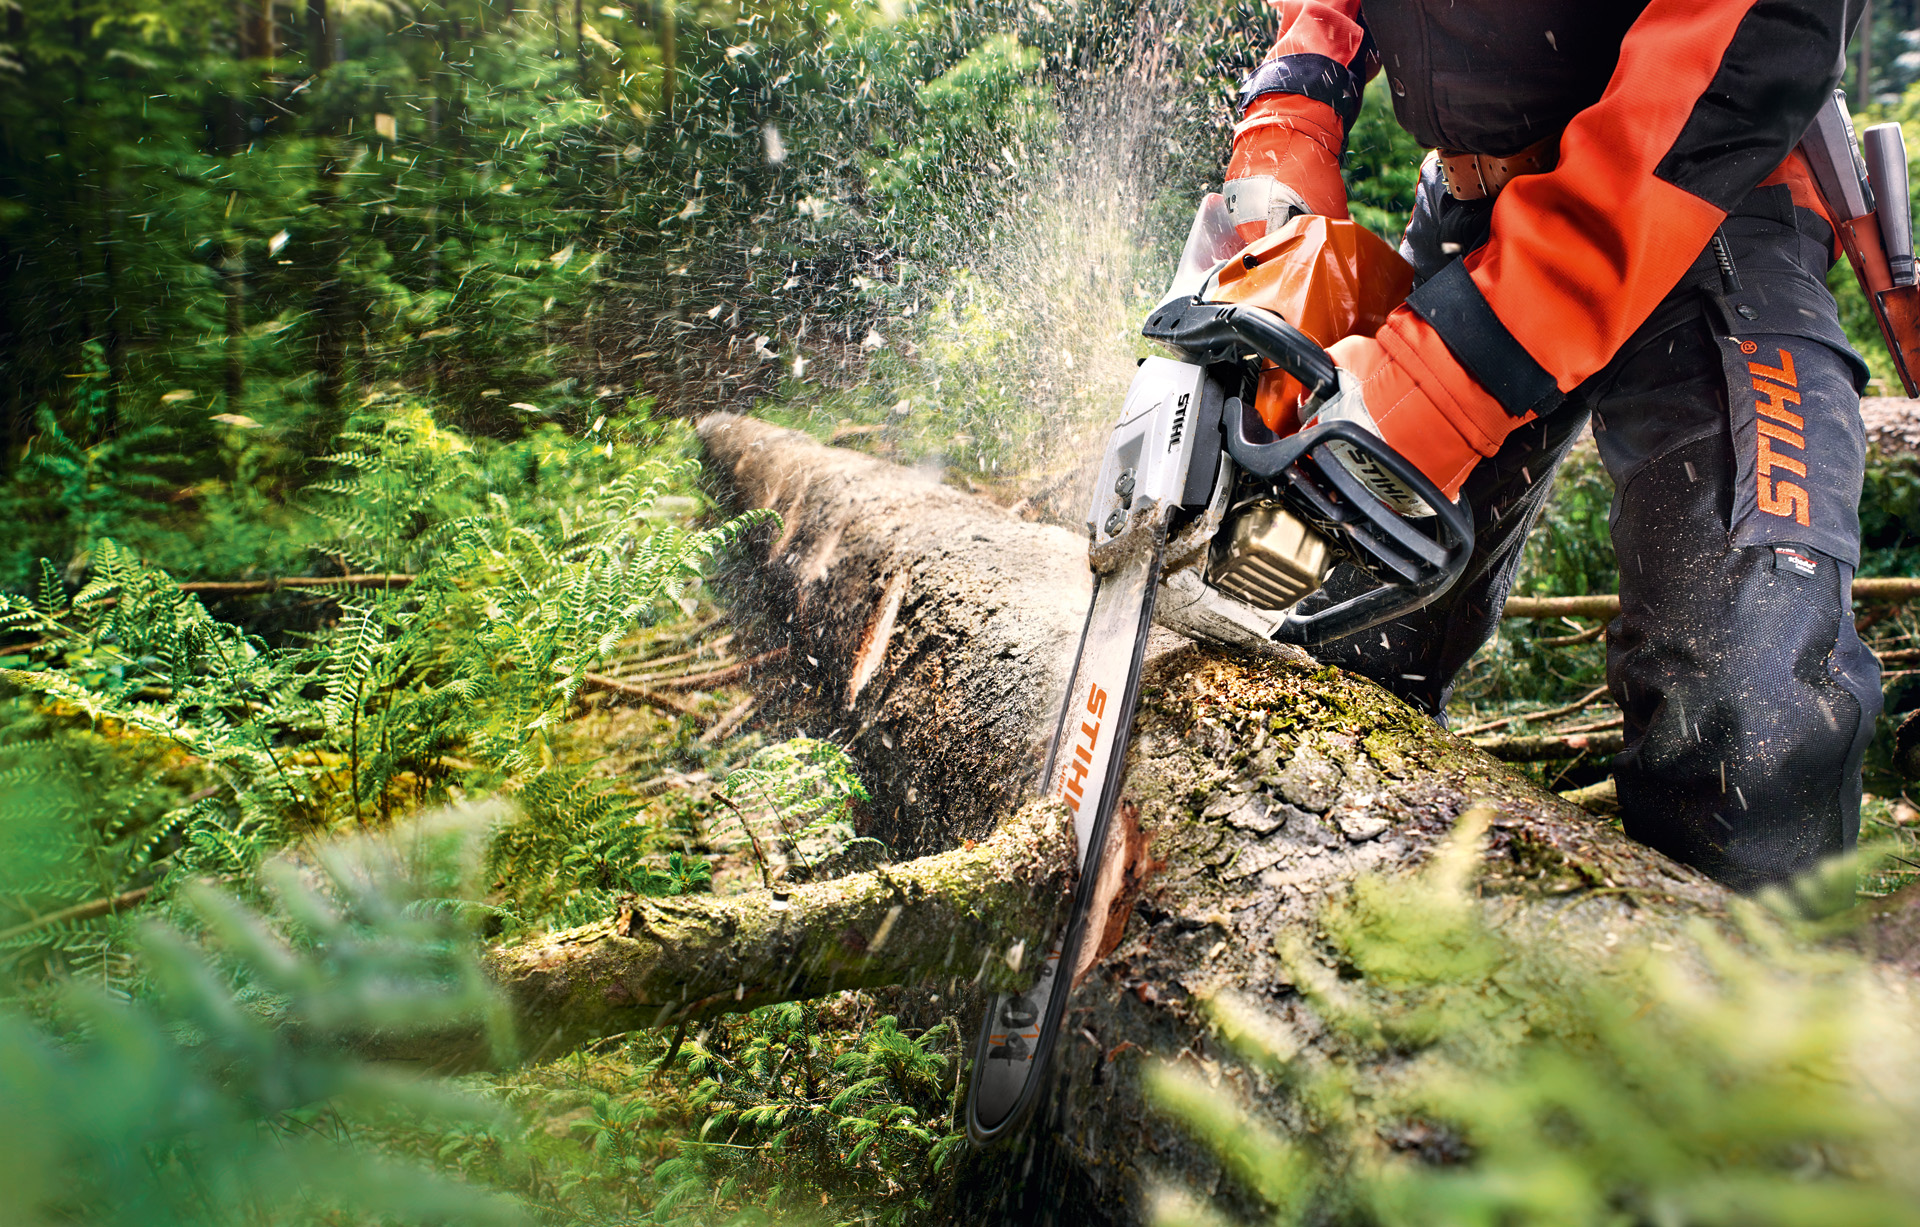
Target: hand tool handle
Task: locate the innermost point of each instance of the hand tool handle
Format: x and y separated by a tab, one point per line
1886	154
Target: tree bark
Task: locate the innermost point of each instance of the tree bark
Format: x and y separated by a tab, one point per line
658	962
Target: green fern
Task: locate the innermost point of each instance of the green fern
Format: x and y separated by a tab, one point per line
795	799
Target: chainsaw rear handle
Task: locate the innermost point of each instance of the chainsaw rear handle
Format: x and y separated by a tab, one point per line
1224	332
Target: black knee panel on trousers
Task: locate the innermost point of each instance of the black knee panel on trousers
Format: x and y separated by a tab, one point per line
1748	697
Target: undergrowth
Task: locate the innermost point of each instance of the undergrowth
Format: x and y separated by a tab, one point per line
1747	1074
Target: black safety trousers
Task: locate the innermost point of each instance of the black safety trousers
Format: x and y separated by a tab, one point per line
1730	424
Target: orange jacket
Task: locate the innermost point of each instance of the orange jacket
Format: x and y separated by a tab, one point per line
1703	101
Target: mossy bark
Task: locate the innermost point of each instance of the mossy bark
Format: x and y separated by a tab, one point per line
660	962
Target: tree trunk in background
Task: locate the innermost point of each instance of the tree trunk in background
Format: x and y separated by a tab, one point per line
1863	87
331	307
266	39
319	38
668	34
580	46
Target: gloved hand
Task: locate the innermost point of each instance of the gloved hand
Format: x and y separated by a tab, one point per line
1439	418
1286	161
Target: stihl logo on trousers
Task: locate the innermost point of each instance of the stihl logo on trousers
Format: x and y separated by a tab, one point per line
1083	744
1779	427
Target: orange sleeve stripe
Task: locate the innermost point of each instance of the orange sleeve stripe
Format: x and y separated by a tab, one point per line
1582	254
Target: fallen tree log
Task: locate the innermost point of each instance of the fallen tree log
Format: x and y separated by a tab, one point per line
929	631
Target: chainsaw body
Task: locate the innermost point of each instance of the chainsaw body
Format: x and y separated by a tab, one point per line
1275	505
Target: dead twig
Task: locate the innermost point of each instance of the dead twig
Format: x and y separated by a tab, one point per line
1566	641
1549	749
653	698
79	911
1612	722
717	677
1549	714
1873	590
724	727
651	664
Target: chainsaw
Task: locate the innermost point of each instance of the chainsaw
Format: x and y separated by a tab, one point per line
1218	507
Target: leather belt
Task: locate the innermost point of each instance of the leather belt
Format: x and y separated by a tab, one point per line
1479	176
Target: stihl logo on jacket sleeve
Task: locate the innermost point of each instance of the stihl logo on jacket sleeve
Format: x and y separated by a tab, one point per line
1083	743
1779	427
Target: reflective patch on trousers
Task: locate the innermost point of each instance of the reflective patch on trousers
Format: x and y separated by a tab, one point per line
1799	448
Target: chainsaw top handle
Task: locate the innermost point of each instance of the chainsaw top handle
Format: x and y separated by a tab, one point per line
1224	332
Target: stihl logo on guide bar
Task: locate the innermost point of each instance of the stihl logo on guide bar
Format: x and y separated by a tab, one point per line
1082	761
1774	389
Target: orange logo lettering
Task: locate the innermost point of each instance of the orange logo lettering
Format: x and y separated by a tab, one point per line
1072	789
1774	391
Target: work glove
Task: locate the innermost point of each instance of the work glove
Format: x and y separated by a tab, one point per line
1286	161
1438	419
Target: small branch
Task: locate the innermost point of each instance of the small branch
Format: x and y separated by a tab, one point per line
79	911
1611	722
719	677
1566	641
666	703
1548	749
645	667
1873	590
741	713
1549	714
1601	605
256	587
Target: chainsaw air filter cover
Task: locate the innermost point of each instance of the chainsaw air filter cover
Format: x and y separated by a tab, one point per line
1268	557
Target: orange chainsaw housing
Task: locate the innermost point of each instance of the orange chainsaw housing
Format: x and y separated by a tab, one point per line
1328	277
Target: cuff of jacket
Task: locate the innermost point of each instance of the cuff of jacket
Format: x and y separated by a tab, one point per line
1312	76
1468	407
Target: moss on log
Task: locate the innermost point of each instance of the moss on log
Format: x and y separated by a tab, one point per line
666	961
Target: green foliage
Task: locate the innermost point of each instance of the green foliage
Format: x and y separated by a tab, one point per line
192	1107
797	1117
512	602
1744	1076
801	795
1382	165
